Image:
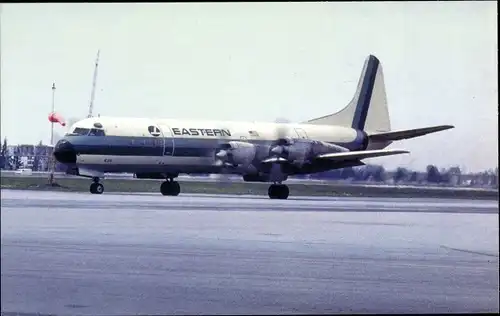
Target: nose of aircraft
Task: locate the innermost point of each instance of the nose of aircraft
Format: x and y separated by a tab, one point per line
64	152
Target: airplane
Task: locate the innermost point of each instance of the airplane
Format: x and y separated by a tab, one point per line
156	148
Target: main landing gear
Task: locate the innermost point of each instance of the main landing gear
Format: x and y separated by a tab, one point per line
278	191
170	187
96	187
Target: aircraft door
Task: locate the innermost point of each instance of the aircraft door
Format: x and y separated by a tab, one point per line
301	133
157	141
168	139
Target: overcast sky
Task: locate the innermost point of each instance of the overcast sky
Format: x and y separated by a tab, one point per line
258	61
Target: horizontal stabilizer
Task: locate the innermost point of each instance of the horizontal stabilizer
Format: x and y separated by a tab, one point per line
406	134
358	155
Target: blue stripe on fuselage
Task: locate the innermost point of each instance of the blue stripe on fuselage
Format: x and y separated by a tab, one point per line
365	94
153	146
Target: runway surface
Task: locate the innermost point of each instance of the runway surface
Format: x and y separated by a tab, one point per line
123	254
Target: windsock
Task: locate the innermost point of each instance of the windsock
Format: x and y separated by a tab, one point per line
56	118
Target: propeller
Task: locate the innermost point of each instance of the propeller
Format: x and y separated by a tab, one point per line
282	129
222	160
223	156
282	139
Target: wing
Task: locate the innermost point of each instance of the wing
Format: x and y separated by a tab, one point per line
346	156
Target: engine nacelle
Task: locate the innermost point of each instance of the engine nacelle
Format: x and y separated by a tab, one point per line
236	153
320	147
302	150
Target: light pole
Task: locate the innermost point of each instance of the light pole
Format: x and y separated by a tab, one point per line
52	162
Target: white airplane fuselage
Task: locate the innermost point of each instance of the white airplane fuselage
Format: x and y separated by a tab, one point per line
142	145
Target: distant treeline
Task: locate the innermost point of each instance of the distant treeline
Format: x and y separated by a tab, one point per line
376	173
369	173
37	157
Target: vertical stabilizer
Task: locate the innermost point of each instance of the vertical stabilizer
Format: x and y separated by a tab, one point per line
367	110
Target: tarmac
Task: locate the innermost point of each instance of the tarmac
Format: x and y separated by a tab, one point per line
123	254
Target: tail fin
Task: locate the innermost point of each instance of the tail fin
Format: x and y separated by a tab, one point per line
368	110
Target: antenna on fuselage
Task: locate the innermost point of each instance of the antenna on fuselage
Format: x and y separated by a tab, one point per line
94	82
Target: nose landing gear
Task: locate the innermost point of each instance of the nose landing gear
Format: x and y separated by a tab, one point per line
96	187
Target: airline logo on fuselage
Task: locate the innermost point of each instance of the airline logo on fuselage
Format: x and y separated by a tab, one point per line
212	132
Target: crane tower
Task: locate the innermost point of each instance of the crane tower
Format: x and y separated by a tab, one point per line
94	82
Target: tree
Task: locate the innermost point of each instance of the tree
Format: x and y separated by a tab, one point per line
486	177
4	159
360	173
36	158
370	173
495	178
347	173
445	177
16	162
455	175
400	175
4	147
455	170
334	174
327	175
433	175
378	173
413	177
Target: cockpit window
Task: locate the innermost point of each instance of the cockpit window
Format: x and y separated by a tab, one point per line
96	132
80	131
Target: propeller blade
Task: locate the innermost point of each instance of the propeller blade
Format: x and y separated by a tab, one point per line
282	138
221	156
282	129
218	163
277	150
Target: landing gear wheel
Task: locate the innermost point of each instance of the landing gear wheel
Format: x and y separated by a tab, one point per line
278	191
171	188
176	188
96	188
165	187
